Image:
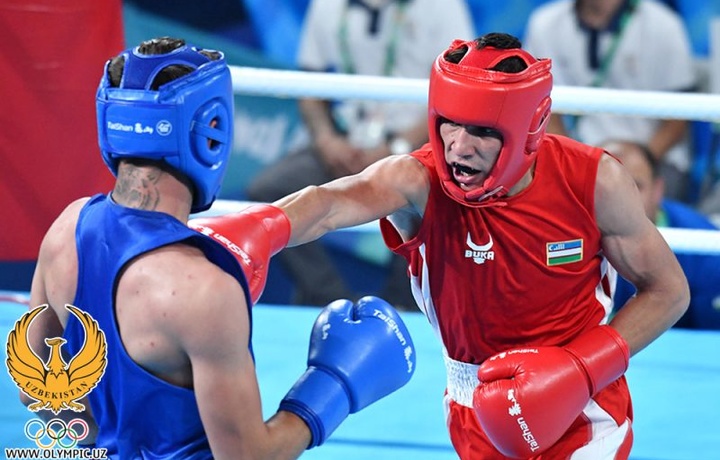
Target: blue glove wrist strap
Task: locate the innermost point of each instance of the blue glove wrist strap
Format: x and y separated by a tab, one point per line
321	400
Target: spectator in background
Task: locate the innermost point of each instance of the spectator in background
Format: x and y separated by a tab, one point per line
702	270
620	44
398	38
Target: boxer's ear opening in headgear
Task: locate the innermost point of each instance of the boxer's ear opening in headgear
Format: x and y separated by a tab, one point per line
478	83
184	120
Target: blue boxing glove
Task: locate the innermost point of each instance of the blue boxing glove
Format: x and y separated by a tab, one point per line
358	354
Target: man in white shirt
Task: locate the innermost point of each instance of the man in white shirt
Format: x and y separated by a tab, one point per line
619	44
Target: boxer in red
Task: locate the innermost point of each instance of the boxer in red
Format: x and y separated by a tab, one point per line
513	238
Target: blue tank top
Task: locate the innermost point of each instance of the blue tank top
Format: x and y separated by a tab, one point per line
139	416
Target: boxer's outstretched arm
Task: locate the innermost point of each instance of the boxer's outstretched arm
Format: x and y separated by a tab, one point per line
385	187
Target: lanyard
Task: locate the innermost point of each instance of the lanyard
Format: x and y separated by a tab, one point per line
390	51
571	121
610	54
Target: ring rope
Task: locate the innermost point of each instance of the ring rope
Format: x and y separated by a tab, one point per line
12	297
686	241
566	99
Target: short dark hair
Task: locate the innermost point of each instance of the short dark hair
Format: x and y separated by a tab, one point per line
497	40
159	45
644	150
649	157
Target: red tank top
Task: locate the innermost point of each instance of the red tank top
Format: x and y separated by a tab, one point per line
528	271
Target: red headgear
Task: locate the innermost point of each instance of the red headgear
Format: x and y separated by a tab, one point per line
515	104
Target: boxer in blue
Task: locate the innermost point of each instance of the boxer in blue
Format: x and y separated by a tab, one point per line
173	302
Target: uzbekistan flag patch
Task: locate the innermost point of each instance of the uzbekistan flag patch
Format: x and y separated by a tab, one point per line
564	252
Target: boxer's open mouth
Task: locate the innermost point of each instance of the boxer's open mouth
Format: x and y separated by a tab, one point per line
462	170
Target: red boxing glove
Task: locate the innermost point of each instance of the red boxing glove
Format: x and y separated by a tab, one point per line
253	235
528	397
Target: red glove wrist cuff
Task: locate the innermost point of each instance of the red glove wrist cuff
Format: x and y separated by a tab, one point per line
604	355
275	222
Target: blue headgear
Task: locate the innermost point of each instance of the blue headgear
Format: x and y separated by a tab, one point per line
172	124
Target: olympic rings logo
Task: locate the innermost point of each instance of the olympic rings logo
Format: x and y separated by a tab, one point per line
65	435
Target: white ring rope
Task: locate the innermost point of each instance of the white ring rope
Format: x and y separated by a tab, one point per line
566	99
571	100
684	241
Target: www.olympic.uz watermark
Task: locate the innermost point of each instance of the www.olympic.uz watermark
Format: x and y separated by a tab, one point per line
56	439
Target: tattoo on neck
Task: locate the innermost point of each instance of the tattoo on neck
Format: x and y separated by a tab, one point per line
136	187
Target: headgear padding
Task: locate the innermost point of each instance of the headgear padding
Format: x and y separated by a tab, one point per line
187	122
515	104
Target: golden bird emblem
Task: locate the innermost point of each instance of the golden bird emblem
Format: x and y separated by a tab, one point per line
56	385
